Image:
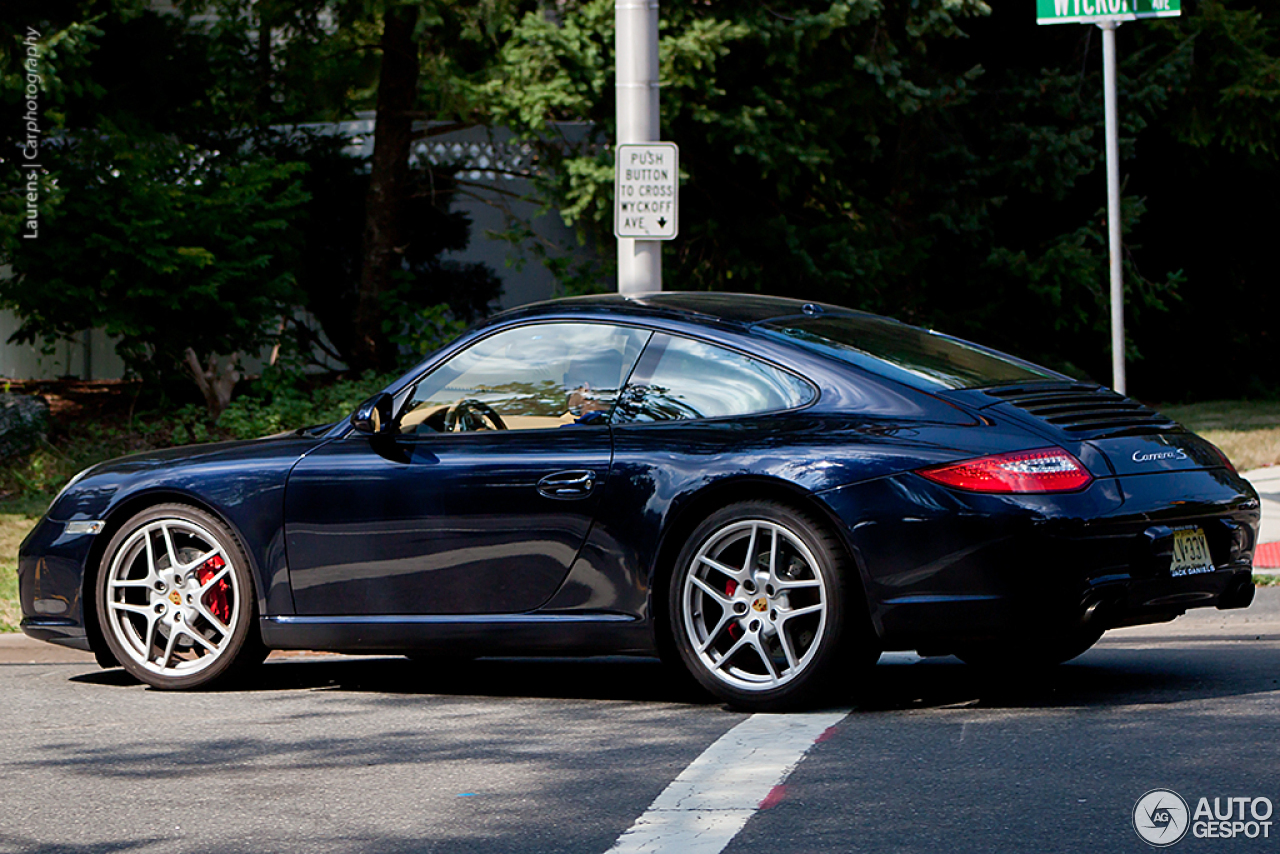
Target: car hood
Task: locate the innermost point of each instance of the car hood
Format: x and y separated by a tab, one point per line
203	472
196	453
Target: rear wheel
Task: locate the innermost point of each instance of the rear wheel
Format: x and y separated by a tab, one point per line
175	599
761	611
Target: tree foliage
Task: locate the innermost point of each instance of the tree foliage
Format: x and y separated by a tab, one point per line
178	208
158	221
426	299
940	161
165	245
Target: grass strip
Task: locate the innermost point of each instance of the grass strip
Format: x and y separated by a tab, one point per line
1248	432
17	516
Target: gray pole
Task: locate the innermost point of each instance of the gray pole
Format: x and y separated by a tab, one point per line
1113	203
636	44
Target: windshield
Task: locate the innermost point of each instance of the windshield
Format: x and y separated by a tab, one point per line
917	357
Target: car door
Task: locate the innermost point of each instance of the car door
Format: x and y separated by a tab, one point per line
481	502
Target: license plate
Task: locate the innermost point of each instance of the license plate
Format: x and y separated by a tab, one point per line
1190	553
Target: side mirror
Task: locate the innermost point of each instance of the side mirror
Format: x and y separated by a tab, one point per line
373	417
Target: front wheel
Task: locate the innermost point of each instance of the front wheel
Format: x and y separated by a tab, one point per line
175	599
761	611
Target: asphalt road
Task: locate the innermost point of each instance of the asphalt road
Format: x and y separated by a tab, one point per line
332	754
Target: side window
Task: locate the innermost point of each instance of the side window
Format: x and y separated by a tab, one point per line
533	377
690	379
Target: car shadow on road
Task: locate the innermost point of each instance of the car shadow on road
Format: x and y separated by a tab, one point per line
613	678
1101	678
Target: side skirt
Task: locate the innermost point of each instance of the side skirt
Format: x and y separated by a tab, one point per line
469	634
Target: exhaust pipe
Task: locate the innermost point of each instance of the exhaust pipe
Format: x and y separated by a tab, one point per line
1101	608
1239	594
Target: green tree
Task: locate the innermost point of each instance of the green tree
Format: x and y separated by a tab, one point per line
431	52
426	301
938	161
412	62
178	178
184	255
155	221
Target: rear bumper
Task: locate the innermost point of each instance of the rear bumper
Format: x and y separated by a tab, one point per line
943	567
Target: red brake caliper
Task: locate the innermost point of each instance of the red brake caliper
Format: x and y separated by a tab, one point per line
734	629
217	598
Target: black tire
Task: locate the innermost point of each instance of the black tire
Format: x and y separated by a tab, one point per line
767	632
1023	653
176	602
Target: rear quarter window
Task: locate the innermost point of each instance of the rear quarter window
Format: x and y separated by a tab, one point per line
680	379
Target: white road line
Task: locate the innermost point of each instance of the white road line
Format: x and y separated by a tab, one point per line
711	800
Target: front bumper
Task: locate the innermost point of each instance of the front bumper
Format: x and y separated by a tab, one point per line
51	564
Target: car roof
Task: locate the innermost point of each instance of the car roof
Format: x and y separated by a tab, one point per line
744	309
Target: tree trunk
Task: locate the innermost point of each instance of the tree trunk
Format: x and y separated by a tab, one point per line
388	187
264	68
216	381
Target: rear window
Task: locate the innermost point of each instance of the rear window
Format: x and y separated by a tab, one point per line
917	357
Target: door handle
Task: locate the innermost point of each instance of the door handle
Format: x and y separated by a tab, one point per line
567	484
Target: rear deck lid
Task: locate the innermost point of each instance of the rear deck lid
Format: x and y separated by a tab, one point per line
1181	451
1134	438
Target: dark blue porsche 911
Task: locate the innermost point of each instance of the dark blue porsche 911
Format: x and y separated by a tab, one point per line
768	492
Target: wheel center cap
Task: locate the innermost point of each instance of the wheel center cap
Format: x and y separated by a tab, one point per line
175	598
761	604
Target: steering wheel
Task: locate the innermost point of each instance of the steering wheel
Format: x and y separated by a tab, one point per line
471	414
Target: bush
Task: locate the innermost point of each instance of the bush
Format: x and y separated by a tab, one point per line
277	403
264	411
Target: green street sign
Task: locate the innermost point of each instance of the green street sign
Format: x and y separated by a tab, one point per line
1093	11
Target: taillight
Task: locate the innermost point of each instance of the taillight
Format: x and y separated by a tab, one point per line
1041	470
1226	461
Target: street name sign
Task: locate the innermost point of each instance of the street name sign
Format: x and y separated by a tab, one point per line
646	187
1094	11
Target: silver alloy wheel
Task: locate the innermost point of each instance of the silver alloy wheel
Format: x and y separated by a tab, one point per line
755	605
172	597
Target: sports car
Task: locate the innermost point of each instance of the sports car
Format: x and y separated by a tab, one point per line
765	492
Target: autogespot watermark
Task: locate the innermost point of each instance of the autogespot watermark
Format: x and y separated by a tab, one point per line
31	168
1161	817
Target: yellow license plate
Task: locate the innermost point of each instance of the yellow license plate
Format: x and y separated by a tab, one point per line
1190	553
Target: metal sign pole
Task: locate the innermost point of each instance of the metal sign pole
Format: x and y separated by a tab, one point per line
1108	14
636	45
1113	203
